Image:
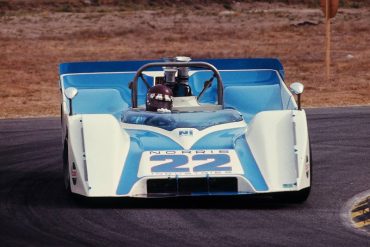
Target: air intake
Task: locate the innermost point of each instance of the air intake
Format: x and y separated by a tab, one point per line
188	186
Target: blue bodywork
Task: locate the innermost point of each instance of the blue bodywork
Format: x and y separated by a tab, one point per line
174	120
142	140
250	86
246	91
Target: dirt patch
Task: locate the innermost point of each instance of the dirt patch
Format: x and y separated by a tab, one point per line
33	43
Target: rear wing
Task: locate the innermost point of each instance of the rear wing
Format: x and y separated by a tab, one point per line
126	66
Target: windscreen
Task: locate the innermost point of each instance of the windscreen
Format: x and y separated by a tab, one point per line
174	120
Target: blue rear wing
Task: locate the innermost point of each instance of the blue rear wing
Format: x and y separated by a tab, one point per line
125	66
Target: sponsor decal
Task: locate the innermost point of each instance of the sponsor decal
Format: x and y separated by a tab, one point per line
307	170
185	132
289	186
190	152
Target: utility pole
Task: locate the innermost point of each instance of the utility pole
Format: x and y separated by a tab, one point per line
329	8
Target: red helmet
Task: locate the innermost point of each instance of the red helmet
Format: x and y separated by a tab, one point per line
159	98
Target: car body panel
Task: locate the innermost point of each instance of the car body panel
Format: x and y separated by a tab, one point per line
116	151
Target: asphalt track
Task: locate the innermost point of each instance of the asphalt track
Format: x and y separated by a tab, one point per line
35	210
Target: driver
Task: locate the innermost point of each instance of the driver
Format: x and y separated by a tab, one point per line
159	98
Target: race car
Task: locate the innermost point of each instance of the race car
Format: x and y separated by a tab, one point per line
182	127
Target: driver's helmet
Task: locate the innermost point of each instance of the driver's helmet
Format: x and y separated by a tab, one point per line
159	98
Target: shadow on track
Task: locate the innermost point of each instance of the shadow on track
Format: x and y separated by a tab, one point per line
182	202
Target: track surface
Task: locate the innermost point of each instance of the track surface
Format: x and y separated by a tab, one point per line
35	210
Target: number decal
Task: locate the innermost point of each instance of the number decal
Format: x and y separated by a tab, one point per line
173	163
172	166
217	161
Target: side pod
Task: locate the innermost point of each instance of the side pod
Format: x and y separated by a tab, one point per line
98	146
280	145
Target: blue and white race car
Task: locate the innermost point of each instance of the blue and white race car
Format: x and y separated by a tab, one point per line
179	127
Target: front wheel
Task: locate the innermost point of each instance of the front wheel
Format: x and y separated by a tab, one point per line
66	175
293	196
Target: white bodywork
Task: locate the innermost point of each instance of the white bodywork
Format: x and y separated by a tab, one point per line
98	145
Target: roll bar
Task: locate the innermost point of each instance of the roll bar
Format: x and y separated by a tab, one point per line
220	88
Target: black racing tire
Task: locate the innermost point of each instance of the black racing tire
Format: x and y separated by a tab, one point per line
66	172
296	196
61	114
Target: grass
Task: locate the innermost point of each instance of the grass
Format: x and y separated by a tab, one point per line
33	44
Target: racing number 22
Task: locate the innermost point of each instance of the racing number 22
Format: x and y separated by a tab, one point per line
176	161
